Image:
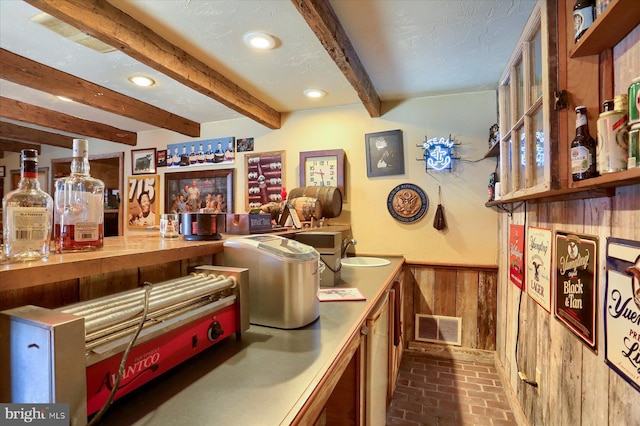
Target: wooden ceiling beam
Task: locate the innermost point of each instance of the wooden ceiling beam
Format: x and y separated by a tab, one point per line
27	113
26	72
110	25
27	134
323	21
17	146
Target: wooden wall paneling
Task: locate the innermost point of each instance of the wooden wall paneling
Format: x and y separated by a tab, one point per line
529	338
541	412
424	295
597	222
486	308
502	307
189	265
625	222
410	287
159	273
52	295
571	382
445	292
514	294
624	402
466	306
100	285
555	371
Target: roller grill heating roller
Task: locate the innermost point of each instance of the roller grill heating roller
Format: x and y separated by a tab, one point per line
110	314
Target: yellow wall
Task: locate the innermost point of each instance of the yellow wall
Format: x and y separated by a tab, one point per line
471	237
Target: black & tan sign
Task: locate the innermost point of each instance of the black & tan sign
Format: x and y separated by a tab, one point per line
576	289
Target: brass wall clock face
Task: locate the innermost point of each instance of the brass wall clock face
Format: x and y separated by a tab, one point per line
322	168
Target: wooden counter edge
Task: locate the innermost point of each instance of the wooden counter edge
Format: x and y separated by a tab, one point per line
314	399
116	256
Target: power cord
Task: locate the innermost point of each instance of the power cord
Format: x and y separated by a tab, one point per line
521	375
147	292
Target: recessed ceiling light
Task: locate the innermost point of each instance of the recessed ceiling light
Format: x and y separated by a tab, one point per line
140	80
314	93
64	98
261	41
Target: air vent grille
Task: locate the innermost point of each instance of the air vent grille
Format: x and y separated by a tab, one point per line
71	33
439	329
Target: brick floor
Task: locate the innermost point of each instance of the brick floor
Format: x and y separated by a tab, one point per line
432	391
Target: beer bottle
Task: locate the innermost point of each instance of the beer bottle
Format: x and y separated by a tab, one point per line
583	16
583	148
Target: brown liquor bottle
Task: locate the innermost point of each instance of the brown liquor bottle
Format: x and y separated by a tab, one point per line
583	148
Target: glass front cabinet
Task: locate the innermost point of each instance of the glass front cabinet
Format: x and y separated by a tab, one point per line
546	77
524	105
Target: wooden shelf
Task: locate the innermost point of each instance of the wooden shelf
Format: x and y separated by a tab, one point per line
602	186
608	180
494	151
617	20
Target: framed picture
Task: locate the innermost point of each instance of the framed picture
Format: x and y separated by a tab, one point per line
161	158
385	153
143	161
143	201
265	178
244	144
219	151
2	171
192	191
322	168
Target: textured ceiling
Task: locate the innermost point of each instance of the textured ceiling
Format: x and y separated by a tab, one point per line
409	49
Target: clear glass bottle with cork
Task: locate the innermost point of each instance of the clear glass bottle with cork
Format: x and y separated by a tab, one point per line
79	207
28	215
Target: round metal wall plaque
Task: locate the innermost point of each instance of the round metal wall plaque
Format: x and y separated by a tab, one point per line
407	203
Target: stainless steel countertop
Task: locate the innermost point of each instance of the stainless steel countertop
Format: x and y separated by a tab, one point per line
265	377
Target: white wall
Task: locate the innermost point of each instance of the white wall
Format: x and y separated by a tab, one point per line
471	237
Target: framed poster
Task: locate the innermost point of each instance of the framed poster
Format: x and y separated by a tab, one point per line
143	201
143	161
265	178
622	310
538	271
385	153
188	192
516	255
202	153
576	285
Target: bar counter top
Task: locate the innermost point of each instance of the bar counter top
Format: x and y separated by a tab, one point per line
267	377
118	253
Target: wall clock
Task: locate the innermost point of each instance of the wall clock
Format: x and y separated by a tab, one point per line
322	168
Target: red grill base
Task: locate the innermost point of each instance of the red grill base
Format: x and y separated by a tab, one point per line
151	359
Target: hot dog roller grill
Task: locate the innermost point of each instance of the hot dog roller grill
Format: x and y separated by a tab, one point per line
72	354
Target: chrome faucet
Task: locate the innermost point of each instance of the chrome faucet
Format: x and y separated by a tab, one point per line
346	243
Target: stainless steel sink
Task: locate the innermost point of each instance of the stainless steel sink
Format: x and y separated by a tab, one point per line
364	261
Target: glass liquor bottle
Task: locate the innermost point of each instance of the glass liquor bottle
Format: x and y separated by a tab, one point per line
583	149
28	213
79	211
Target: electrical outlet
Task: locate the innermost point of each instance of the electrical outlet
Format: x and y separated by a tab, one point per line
538	380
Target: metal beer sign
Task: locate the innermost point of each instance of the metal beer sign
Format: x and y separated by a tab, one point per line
622	310
576	289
